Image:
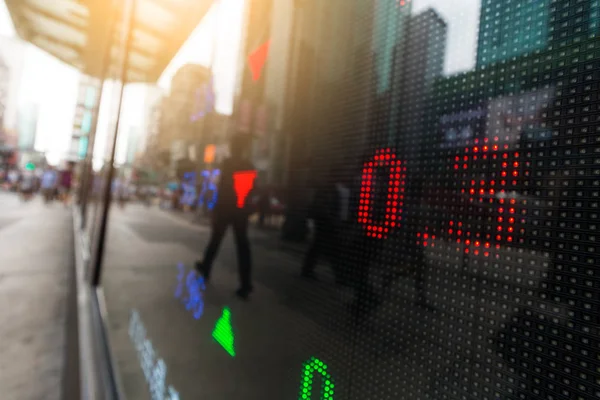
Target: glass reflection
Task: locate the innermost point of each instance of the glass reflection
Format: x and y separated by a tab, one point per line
422	218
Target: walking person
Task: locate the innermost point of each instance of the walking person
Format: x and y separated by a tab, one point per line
264	206
330	212
27	185
49	184
237	180
120	191
13	178
66	181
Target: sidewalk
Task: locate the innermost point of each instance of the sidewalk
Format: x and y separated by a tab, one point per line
275	333
287	321
36	247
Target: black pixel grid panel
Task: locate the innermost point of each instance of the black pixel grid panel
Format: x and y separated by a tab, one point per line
440	169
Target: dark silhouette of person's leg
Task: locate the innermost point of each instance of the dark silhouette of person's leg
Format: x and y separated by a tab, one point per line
240	229
420	285
366	298
315	249
219	227
339	255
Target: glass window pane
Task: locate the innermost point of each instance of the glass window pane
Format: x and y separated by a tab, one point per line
412	193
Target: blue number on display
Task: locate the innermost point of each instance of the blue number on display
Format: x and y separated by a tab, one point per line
204	101
189	189
209	184
194	287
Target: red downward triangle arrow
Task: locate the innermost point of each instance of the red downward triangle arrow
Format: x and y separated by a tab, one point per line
258	58
243	181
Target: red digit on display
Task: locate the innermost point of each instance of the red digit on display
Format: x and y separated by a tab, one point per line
496	187
497	191
383	158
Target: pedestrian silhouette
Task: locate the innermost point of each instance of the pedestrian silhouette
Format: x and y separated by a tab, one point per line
329	212
237	180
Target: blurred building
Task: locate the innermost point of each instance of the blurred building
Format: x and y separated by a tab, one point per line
322	129
151	161
219	128
186	122
390	27
390	24
151	118
263	53
422	63
509	29
85	117
12	53
292	82
294	88
417	62
4	82
571	22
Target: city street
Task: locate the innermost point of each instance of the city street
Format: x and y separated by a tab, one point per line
36	247
293	318
149	257
150	254
411	189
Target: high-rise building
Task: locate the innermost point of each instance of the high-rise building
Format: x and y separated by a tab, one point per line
571	22
154	95
183	128
84	120
509	28
253	114
418	60
424	56
329	85
389	33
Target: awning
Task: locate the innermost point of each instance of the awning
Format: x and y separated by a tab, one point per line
75	31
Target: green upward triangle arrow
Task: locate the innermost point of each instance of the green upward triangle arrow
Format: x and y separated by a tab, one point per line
223	333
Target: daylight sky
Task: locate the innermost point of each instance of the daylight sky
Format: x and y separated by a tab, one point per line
53	85
462	17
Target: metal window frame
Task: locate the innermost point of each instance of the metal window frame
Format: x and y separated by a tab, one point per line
98	372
